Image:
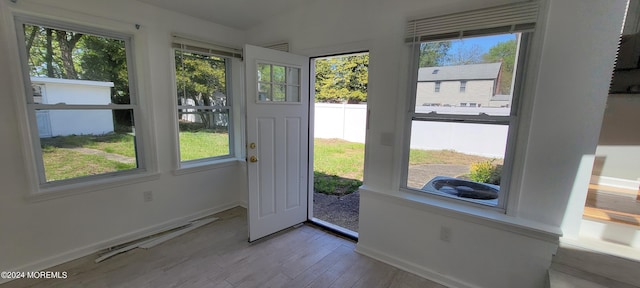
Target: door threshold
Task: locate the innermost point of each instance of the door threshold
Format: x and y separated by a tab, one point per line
335	228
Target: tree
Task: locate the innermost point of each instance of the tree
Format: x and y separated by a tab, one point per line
343	78
105	59
433	54
199	77
67	42
504	52
464	55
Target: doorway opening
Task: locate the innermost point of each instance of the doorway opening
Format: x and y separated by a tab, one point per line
339	122
612	208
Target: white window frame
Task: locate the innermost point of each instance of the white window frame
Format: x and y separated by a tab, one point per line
463	86
511	121
41	189
436	88
202	162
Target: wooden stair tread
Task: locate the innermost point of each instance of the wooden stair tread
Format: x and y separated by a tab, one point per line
613	216
603	188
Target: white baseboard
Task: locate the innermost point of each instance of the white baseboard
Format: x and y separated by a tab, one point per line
128	237
615	182
412	268
243	204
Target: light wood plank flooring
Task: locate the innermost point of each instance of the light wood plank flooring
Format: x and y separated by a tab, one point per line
613	204
218	255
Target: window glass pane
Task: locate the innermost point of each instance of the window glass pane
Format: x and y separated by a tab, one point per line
293	93
78	143
278	74
478	70
461	160
203	133
293	76
200	79
264	92
77	68
264	72
278	92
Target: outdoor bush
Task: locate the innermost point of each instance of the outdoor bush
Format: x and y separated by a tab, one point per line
334	185
486	172
190	126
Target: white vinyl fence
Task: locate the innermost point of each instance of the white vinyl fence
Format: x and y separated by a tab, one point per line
348	122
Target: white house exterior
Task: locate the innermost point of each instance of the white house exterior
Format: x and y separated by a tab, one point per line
69	122
474	85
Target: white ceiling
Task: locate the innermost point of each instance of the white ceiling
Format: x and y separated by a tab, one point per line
240	14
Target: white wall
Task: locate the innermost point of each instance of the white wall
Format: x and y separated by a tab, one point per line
475	139
476	91
348	122
567	80
618	153
77	92
341	121
37	235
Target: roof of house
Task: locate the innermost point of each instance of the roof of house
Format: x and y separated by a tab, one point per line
460	72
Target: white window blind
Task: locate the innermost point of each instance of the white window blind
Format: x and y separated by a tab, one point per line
187	44
517	17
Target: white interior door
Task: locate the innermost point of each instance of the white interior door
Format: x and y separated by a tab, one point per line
277	87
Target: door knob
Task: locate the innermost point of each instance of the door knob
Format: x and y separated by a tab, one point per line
252	145
253	159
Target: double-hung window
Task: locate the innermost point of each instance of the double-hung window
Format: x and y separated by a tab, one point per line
81	102
204	111
458	149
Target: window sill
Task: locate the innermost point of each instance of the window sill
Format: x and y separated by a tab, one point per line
462	211
49	193
204	166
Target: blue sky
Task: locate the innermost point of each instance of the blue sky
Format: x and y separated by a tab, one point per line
484	42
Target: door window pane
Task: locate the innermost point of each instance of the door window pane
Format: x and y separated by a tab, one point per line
278	74
264	72
293	76
283	86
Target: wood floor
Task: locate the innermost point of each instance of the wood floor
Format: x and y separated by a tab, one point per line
218	255
613	204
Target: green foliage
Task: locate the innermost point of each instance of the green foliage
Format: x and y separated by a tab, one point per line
504	52
485	172
104	59
199	77
434	54
333	184
340	79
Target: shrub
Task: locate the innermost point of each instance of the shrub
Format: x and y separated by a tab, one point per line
486	172
334	185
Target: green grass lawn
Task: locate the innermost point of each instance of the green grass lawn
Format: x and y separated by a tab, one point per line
338	164
62	162
346	159
203	144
